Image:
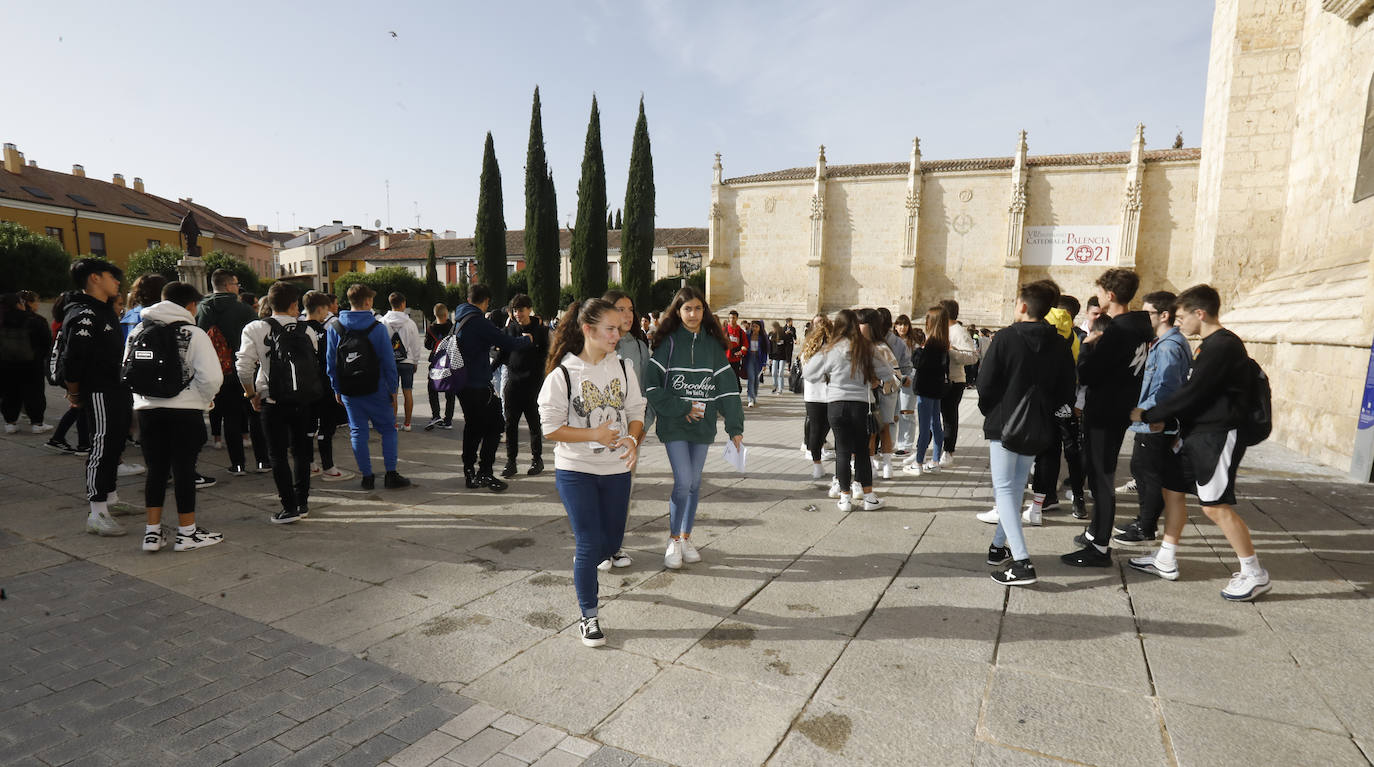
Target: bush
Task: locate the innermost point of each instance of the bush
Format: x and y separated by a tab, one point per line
248	279
385	281
32	262
159	259
518	283
662	291
565	297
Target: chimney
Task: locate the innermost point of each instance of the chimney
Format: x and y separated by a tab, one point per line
138	184
384	240
357	230
14	159
78	170
33	163
119	179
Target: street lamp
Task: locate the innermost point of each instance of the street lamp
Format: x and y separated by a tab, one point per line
688	262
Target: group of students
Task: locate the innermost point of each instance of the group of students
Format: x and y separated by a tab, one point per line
754	352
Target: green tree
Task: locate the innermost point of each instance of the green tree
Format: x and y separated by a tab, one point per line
619	222
546	265
489	240
541	272
248	279
589	267
32	262
159	259
519	282
387	280
637	239
433	288
610	220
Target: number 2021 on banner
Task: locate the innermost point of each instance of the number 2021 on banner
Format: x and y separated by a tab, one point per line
1086	254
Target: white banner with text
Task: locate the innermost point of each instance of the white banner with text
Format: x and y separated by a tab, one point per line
1070	246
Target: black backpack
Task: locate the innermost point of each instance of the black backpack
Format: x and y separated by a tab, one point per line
293	369
152	364
356	364
1258	406
398	348
1029	427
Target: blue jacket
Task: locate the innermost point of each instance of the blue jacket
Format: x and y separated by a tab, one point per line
381	341
1166	368
475	343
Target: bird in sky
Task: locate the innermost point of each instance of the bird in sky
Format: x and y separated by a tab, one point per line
393	34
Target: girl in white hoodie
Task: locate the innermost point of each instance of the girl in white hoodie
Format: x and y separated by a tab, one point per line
590	405
173	428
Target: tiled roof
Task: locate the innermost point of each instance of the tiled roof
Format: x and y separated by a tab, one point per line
977	163
418	250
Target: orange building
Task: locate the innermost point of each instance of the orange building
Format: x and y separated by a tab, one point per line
112	218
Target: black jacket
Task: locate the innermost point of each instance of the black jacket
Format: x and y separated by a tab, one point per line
526	364
931	370
1113	367
39	337
94	351
1212	398
1019	355
435	333
228	313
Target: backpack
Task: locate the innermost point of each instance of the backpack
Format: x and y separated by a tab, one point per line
356	364
56	373
398	348
15	345
293	369
446	371
1258	407
222	349
795	378
1029	427
152	365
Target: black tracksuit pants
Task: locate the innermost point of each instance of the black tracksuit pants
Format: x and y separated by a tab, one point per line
110	414
449	399
22	388
172	440
288	429
522	400
482	426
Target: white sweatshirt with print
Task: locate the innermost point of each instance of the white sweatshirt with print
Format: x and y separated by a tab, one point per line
602	392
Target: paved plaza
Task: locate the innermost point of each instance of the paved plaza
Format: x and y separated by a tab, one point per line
437	625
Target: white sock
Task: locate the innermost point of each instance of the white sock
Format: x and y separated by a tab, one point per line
1037	502
100	508
186	529
151	529
1165	555
112	496
1250	565
887	460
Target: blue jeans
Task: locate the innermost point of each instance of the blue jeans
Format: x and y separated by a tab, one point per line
597	505
376	409
928	416
1009	473
753	365
779	370
906	422
688	460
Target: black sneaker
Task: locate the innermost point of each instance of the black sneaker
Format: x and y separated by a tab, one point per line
203	481
1080	509
470	478
999	555
369	481
304	509
510	470
393	481
492	483
590	629
447	424
237	470
82	450
1088	556
59	446
536	466
286	516
1019	573
434	424
1134	535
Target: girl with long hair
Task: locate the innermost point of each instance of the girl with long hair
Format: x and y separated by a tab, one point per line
755	359
634	344
849	368
906	398
884	393
590	406
778	357
817	424
932	383
691	383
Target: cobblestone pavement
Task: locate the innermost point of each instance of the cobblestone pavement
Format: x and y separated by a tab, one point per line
436	625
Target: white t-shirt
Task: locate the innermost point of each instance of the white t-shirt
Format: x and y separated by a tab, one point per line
606	391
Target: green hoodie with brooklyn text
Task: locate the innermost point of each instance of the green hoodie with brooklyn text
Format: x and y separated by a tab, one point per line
691	367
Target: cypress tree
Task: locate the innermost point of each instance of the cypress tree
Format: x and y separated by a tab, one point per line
536	176
589	267
637	238
610	221
489	239
619	224
433	290
550	259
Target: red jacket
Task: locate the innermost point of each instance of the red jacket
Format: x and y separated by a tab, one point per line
739	342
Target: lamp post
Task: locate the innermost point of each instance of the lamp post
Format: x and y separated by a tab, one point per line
688	261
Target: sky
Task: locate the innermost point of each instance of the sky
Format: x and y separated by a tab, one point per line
295	114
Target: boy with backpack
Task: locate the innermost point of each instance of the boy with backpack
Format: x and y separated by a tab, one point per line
1221	409
327	413
223	316
475	337
362	370
172	369
278	368
434	335
407	348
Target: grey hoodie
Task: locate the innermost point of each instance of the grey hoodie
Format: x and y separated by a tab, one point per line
832	367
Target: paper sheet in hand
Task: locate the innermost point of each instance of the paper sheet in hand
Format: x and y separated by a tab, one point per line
736	456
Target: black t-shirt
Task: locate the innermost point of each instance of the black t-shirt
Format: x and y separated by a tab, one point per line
1113	368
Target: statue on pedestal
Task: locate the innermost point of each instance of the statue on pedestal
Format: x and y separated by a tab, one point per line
191	269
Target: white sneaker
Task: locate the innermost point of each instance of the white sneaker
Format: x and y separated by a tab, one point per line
689	552
1129	487
947	460
672	558
218	444
11	428
834	489
405	427
130	469
931	467
887	468
914	469
40	428
154	542
1032	516
827	454
872	502
604	565
817	471
989	516
911	460
1244	588
335	474
1148	564
315	471
846	502
874	462
621	559
104	525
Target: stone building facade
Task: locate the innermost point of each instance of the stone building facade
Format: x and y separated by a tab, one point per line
1276	209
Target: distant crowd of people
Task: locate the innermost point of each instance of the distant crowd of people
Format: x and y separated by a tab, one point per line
281	374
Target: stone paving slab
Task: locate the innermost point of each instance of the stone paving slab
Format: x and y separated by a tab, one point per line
806	636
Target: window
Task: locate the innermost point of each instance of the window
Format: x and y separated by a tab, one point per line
135	209
97	244
82	200
36	192
154	243
54	232
340	245
334	267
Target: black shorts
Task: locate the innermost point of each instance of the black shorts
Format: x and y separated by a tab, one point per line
1211	459
1154	457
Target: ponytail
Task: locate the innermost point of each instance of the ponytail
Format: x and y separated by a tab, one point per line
568	339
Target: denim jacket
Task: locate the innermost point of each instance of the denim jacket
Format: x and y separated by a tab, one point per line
1166	368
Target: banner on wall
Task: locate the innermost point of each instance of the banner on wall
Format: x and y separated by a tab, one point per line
1070	246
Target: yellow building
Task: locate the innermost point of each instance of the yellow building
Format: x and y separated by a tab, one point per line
112	218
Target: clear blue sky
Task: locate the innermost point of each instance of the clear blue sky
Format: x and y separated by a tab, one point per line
300	112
